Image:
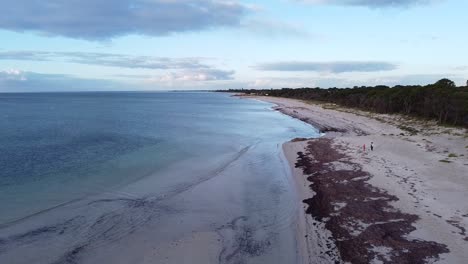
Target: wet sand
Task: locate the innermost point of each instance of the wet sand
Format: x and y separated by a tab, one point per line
404	202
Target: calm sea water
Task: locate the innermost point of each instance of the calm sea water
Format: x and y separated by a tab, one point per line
108	162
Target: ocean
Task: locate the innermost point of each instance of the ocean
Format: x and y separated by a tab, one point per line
143	177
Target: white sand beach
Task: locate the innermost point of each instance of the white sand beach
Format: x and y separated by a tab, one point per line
424	165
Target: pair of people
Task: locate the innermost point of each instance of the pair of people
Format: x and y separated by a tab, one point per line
371	146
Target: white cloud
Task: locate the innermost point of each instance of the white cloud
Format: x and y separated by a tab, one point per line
12	74
202	75
23	81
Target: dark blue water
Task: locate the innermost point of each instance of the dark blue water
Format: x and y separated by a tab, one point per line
57	148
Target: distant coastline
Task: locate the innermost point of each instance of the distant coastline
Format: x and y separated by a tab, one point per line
442	101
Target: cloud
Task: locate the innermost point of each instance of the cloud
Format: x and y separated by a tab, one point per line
189	71
274	28
107	59
329	67
12	75
104	19
21	81
194	76
370	3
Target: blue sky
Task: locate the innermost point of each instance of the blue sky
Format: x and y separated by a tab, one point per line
82	45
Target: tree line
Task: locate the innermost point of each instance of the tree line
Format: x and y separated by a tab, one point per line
442	101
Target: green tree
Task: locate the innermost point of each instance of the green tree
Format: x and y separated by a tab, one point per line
445	83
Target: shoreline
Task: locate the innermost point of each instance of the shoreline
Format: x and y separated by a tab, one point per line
409	205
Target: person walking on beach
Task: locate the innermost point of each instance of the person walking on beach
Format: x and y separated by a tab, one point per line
372	146
364	147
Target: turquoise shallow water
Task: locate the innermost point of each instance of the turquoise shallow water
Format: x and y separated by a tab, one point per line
61	153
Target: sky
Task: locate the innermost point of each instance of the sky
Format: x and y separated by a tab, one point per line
152	45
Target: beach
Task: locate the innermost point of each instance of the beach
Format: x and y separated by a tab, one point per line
402	202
